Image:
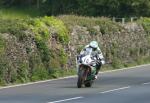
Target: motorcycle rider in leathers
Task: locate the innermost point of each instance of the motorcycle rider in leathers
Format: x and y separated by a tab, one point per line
96	52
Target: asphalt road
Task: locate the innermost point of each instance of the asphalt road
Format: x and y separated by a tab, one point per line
125	86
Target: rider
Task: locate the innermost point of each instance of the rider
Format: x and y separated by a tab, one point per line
94	48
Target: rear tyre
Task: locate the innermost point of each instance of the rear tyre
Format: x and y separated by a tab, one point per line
88	84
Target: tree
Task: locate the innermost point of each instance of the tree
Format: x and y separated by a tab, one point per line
109	8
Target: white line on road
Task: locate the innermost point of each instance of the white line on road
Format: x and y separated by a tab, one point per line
66	100
31	83
146	83
116	89
116	70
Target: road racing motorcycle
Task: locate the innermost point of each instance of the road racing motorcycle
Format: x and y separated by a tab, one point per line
86	70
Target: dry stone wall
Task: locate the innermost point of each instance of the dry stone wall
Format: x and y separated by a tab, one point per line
126	44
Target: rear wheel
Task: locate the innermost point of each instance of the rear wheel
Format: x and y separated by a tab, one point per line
88	84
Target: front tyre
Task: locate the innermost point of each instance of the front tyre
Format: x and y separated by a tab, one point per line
79	83
80	78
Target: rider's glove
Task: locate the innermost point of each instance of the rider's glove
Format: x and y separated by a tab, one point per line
102	62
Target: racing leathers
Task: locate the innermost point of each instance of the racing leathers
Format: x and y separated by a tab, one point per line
95	52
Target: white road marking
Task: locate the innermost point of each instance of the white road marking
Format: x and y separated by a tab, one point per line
146	83
115	89
31	83
69	99
109	71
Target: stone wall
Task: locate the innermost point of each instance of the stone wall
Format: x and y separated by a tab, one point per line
126	44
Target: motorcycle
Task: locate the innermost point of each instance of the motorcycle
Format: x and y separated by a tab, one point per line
86	71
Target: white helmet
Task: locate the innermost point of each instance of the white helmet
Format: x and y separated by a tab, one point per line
94	44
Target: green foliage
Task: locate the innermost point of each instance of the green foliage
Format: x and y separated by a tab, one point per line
37	69
2	45
45	52
59	26
109	8
41	35
63	57
92	31
13	26
124	8
23	75
3	65
143	60
50	61
80	48
39	73
58	59
44	60
8	73
146	24
55	73
18	12
105	24
117	63
146	59
41	27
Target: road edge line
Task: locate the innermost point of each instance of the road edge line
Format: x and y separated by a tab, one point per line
125	68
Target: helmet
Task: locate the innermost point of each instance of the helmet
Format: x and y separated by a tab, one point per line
94	44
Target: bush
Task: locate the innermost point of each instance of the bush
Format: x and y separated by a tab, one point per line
39	73
37	70
146	24
2	45
23	75
3	65
55	73
58	59
117	63
59	26
105	24
41	61
14	27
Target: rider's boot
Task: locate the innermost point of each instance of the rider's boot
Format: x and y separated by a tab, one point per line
95	77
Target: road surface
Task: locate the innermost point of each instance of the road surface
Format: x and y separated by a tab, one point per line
122	86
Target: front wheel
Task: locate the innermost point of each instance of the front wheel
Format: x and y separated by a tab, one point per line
79	83
80	78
